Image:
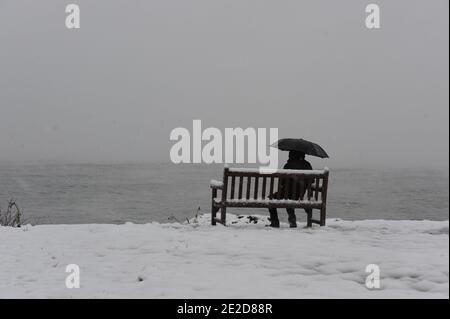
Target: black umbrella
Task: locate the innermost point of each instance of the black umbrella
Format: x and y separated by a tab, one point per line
299	144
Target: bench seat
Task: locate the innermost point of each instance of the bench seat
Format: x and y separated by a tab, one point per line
267	203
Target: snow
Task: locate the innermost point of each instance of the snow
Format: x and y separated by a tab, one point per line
243	260
216	183
280	171
271	201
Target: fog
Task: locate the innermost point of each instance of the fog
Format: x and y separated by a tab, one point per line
113	90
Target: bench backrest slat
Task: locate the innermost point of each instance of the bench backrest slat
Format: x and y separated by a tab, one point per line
263	192
272	182
255	193
241	181
233	179
249	183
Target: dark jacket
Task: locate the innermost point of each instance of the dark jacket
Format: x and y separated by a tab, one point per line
297	164
302	185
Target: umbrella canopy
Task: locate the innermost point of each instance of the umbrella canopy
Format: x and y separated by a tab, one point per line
299	144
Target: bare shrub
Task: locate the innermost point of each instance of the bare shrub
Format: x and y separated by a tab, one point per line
11	216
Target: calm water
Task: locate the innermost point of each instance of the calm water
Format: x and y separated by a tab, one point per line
89	193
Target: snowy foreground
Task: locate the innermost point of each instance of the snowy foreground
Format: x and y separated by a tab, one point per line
244	260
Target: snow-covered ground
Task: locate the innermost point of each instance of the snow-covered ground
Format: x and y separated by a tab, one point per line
243	260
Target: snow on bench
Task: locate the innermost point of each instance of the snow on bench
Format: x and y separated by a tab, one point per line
284	188
278	171
215	184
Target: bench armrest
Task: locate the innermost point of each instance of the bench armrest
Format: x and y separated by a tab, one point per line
215	184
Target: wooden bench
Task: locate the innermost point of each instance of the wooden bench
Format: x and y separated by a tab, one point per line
255	189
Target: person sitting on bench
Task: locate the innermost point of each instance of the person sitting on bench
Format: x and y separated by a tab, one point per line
296	161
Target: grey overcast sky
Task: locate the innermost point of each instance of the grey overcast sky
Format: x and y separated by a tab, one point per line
114	89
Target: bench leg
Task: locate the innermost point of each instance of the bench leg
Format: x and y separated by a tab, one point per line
223	215
323	215
213	208
213	215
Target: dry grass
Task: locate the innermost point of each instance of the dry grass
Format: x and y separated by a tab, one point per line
12	216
